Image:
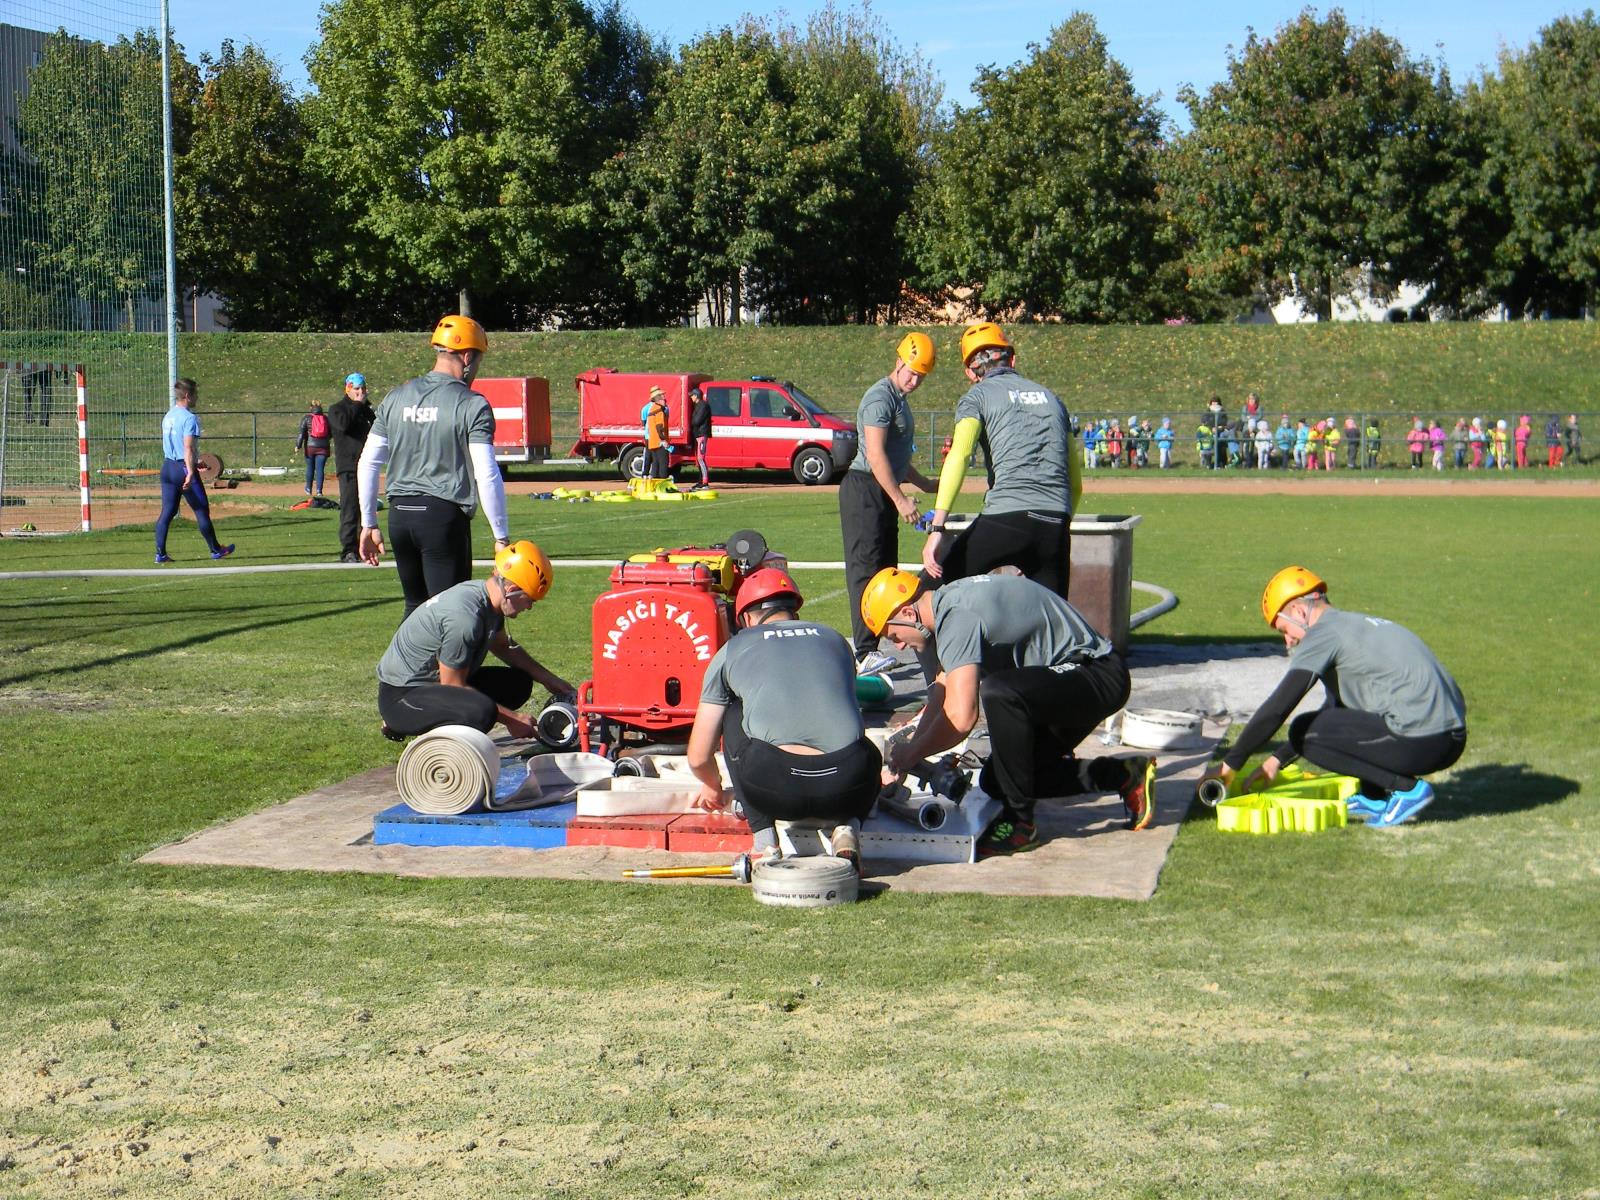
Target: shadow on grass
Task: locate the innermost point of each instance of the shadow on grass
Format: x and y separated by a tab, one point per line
1152	649
198	639
1496	788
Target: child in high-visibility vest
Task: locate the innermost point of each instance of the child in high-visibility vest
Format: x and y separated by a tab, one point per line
1331	438
1501	438
1314	443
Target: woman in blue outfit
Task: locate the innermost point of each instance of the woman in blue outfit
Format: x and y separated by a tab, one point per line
180	472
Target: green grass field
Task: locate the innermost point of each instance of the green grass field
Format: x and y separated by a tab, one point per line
1356	1013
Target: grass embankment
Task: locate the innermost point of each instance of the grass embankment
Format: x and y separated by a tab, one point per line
1412	1014
1311	371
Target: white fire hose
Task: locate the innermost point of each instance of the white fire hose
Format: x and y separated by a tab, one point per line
449	770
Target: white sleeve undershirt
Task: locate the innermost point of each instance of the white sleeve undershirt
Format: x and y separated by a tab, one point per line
491	489
373	455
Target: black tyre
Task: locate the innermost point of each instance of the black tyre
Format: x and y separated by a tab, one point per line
813	466
631	462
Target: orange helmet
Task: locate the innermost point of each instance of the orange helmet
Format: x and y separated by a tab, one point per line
525	565
890	590
916	351
985	335
1288	584
459	333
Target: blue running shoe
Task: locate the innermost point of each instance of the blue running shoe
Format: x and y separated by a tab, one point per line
1404	806
222	551
1365	808
163	558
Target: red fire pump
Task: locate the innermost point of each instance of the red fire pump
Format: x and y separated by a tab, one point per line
653	634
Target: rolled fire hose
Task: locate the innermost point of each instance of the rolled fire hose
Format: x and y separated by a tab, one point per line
817	882
930	814
449	770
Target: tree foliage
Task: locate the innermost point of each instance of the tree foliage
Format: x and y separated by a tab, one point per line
462	135
1043	195
249	215
775	171
1306	171
87	186
1541	120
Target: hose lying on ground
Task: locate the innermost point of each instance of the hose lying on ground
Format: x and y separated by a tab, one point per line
449	770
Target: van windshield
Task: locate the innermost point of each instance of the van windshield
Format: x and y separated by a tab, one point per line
805	401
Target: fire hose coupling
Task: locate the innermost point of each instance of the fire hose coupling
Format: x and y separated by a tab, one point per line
942	776
1212	792
557	724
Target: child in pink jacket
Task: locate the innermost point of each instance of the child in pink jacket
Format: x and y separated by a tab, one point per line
1436	440
1524	432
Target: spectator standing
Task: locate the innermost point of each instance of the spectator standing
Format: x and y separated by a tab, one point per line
437	436
1027	510
1205	443
1163	440
316	436
1436	441
1523	433
1314	444
1352	443
1263	446
1502	457
1572	439
1225	445
1283	442
700	434
351	418
1141	444
1553	440
1416	443
1091	440
1476	441
872	498
180	471
1330	449
1458	443
1372	437
1214	414
655	436
1302	444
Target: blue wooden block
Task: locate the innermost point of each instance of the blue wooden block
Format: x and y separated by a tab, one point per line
532	828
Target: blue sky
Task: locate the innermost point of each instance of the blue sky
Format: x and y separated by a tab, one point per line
1164	44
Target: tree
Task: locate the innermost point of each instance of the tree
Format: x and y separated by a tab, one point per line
461	136
1305	171
700	196
90	134
248	214
1043	195
1541	120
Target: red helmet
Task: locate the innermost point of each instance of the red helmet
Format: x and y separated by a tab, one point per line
764	585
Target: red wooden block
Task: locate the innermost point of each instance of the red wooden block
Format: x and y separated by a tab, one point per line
709	833
647	831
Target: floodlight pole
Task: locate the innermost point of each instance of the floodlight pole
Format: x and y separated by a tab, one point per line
166	196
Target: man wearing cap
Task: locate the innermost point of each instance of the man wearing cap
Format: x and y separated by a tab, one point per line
655	435
1392	714
872	502
432	674
1044	677
1035	472
780	697
351	418
437	436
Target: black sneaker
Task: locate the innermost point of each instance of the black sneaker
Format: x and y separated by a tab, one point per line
1138	791
1007	834
391	734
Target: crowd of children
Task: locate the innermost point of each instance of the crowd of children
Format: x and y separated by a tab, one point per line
1252	441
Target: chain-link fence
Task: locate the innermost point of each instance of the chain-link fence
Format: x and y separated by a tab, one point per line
82	242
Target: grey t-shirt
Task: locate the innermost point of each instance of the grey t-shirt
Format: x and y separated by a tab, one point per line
796	681
885	407
1005	621
1376	666
452	628
1029	433
429	422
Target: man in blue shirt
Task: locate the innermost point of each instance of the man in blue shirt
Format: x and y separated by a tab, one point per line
180	472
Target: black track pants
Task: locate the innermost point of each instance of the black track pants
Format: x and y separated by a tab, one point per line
772	784
1350	742
1039	544
431	540
871	528
350	514
413	710
1037	718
